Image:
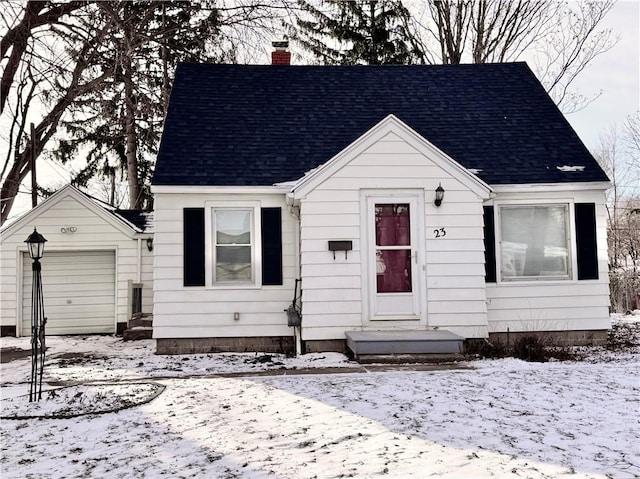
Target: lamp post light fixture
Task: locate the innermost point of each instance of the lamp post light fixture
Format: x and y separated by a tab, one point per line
439	195
36	242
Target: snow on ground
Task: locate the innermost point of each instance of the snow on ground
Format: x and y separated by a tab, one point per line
490	418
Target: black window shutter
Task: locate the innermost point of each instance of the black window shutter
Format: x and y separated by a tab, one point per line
586	243
193	243
271	221
489	245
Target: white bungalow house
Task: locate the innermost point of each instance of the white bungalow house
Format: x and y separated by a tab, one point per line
96	269
411	202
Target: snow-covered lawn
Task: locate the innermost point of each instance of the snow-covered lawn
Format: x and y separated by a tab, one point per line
254	416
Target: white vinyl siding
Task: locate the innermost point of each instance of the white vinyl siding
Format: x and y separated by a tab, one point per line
146	277
78	290
208	311
334	298
554	305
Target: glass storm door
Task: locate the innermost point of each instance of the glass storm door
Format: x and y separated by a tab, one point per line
393	240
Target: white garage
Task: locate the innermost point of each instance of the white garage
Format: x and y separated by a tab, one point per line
93	257
79	291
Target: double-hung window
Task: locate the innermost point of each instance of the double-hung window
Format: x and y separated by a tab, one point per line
234	243
534	242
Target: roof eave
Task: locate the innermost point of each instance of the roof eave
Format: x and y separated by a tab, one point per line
228	190
551	187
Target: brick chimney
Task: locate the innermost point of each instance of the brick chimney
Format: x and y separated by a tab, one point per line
281	54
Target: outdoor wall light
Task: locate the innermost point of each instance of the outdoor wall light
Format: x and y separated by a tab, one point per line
36	245
150	244
439	195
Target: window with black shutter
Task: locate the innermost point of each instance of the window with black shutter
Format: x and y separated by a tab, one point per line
193	247
586	242
271	229
489	245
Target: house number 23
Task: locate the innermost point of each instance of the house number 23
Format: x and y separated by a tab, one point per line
440	233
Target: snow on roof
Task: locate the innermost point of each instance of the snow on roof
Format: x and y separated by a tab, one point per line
570	169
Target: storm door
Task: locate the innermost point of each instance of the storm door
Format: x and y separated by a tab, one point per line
393	279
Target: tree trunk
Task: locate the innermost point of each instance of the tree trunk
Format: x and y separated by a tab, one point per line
135	199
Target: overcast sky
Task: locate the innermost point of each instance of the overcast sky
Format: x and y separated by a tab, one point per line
616	73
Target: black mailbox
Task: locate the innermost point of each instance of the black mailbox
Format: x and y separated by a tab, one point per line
341	245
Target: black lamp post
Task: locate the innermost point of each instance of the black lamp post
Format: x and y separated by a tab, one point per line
36	241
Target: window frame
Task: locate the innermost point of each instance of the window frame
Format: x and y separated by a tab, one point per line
569	207
211	243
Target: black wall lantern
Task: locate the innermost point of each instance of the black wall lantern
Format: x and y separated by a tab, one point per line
36	242
150	244
439	195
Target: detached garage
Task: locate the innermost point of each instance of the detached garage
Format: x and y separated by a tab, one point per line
95	256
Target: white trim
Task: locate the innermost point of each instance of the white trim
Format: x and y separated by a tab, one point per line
550	187
223	190
414	197
256	243
390	124
19	293
70	191
569	203
143	236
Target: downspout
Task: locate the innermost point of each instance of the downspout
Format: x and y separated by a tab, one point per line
139	262
294	211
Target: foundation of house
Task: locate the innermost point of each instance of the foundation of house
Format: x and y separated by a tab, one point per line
286	344
596	337
271	344
325	346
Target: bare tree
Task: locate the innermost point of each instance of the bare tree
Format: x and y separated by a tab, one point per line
18	162
619	156
95	62
14	43
558	38
45	72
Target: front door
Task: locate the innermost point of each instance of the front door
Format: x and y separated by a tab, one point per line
393	257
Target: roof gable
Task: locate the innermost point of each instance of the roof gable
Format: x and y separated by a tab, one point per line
248	125
396	128
70	191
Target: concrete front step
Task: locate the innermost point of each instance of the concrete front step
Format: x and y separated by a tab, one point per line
409	358
139	332
406	342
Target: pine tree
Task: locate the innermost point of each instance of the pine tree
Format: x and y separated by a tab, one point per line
118	126
372	32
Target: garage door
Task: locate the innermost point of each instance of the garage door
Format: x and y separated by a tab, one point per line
79	292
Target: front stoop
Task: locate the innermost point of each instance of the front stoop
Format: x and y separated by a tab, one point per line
405	346
140	327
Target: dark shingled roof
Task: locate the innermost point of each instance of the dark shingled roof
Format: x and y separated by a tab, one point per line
139	218
260	125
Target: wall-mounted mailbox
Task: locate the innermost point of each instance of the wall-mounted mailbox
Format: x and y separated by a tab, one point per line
342	245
